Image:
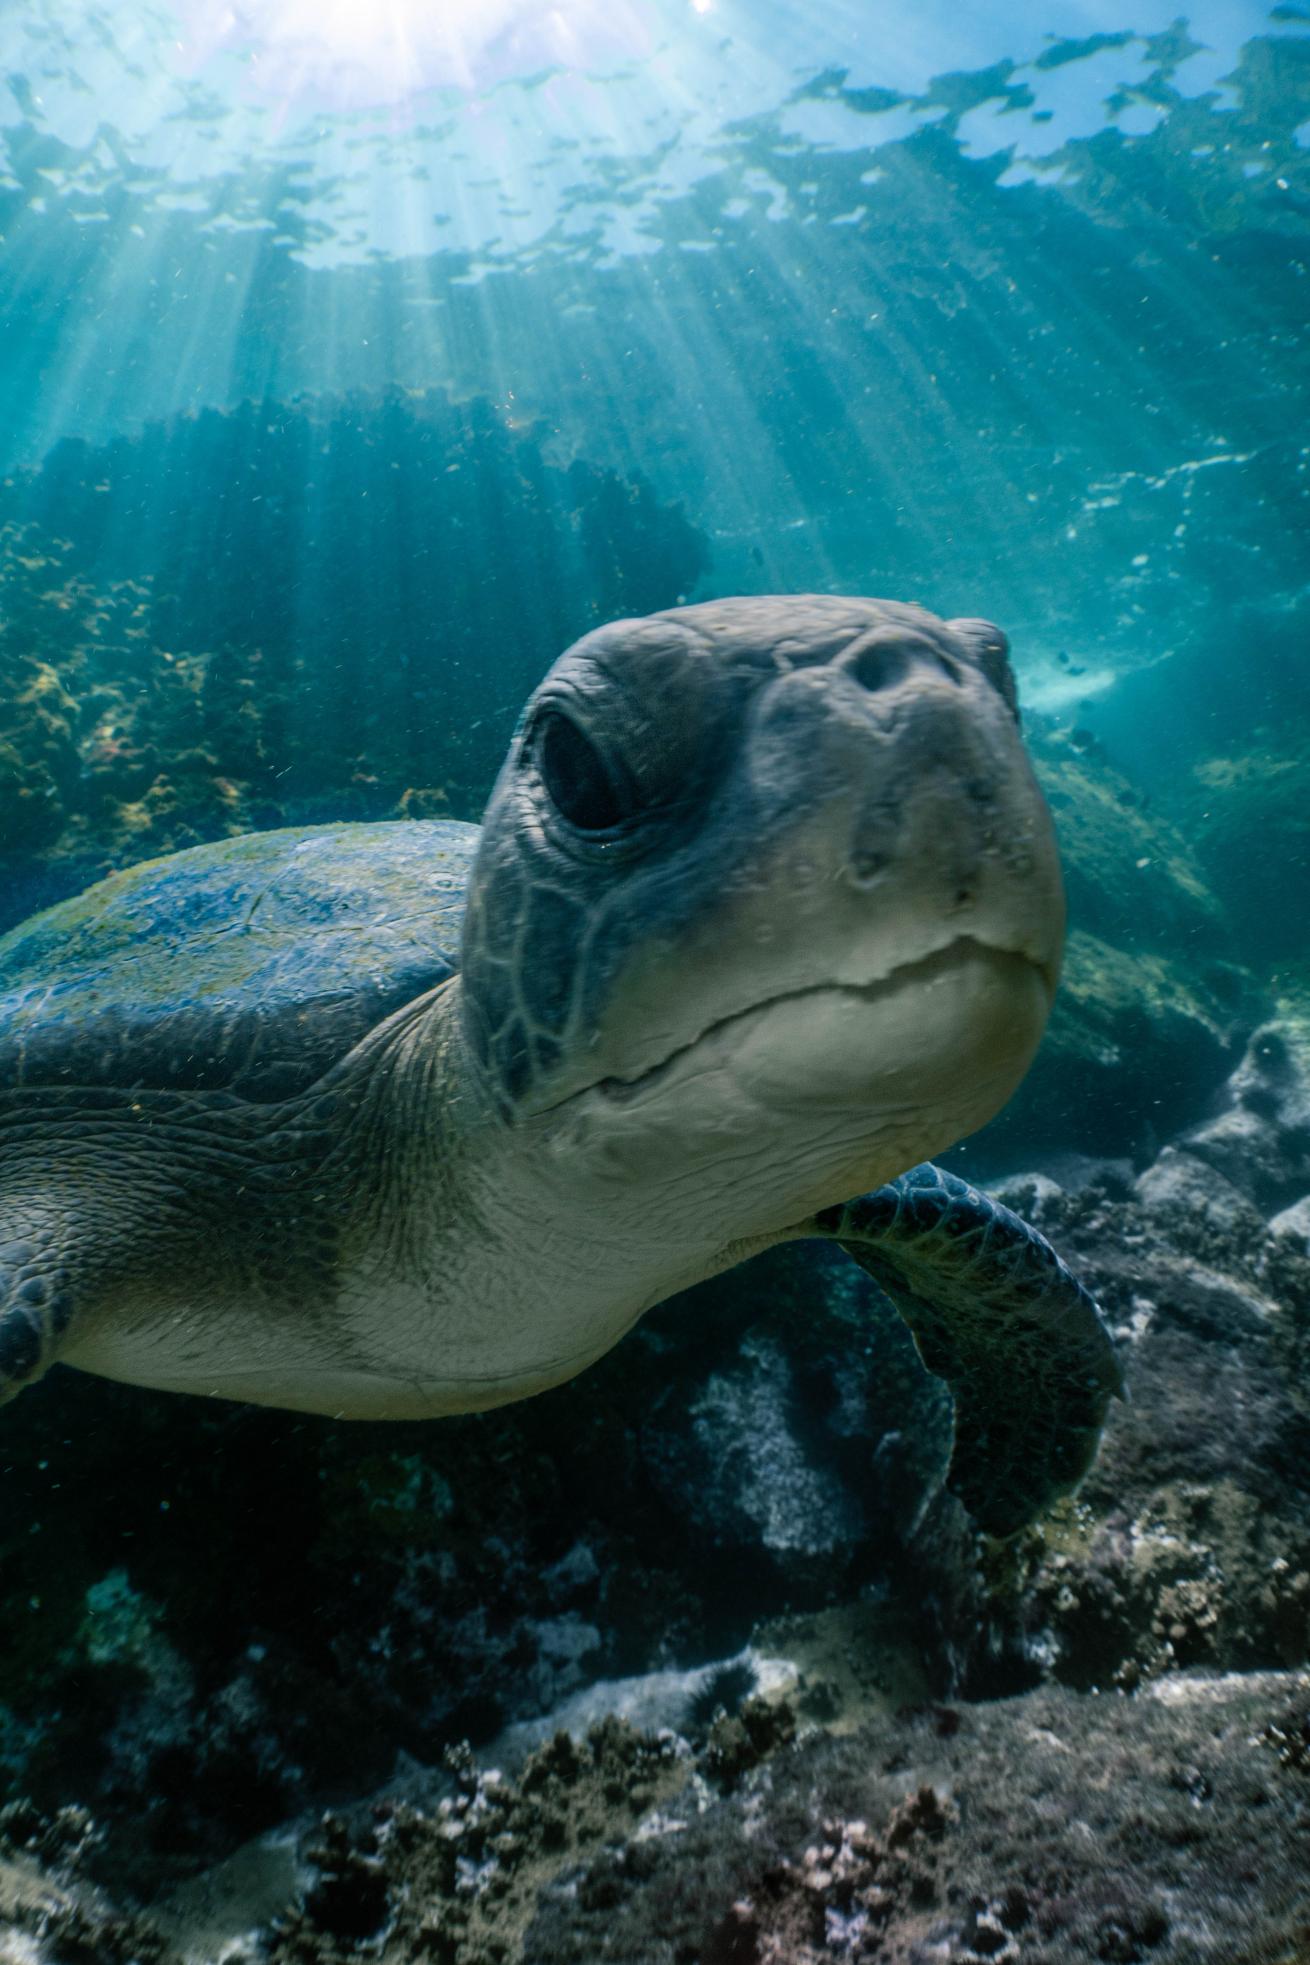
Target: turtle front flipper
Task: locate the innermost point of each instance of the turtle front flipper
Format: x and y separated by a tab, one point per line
995	1312
36	1298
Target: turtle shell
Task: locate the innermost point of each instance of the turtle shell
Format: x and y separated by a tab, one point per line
250	965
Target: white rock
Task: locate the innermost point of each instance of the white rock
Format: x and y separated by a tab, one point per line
1294	1222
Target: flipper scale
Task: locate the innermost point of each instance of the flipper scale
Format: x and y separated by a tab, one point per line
995	1312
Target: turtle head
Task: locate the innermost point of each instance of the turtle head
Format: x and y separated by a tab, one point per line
767	896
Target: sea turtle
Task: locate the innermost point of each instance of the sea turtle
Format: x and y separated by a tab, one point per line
411	1118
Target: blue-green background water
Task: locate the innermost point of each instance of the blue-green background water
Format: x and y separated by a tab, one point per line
349	368
1003	308
354	365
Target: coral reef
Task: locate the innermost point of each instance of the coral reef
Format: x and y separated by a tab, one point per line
457	1882
995	1836
1165	1829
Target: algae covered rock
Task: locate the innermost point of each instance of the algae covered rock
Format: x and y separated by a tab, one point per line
1137	1043
1259	1140
1151	1012
1189	1543
39	717
1250	817
1131	876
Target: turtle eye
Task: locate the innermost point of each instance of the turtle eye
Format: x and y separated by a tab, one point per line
577	779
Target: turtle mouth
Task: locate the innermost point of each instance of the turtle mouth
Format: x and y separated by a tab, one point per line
617	1090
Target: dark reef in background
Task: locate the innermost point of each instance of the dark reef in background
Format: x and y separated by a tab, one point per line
291	613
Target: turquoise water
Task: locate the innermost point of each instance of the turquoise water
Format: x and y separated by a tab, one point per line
1004	309
352	364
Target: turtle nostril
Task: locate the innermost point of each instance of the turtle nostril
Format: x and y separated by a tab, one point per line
867	865
878	660
884	657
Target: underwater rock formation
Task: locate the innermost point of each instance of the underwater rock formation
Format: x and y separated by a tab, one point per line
1139	1043
937	1833
1189	1544
1131	875
1249	816
1152	1011
216	1618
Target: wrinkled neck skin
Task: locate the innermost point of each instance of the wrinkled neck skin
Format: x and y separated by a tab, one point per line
550	1201
482	1261
497	1259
